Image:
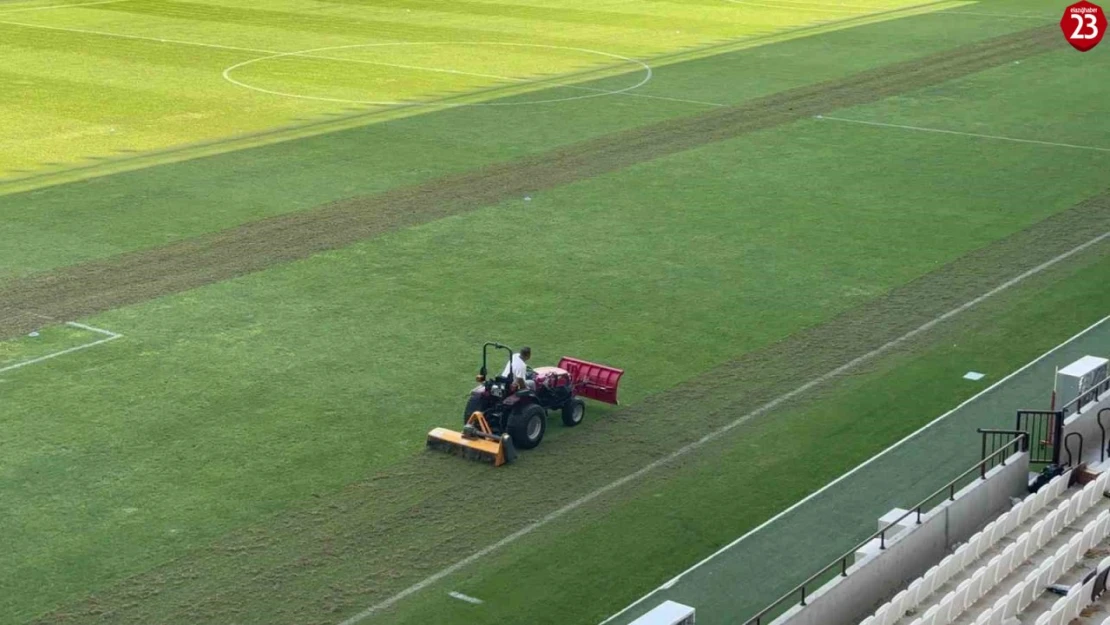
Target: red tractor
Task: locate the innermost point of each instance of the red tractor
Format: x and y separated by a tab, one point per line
498	412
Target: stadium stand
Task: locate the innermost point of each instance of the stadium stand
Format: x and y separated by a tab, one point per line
1006	546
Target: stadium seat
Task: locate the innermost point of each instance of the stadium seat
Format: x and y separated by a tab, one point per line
1103	525
947	569
1059	558
1073	551
1058	611
1075	506
1007	563
960	601
897	607
1012	601
975	591
1036	534
1034	504
944	614
1012	520
1029	589
992	572
1088	537
999	608
930	617
1071	607
912	592
999	528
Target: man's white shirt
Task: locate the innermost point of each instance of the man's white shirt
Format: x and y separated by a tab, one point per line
519	369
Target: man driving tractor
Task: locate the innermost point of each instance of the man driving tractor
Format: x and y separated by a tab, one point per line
518	367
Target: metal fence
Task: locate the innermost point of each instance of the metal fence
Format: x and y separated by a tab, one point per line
1019	441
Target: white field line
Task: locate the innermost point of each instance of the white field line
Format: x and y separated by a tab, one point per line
61	6
466	598
864	464
1016	16
109	336
965	134
801	390
276	53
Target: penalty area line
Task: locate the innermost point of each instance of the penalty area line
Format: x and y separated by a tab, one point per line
108	336
715	434
942	131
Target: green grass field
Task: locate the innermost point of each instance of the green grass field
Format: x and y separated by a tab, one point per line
305	216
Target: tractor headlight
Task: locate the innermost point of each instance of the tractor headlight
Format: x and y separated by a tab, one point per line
495	390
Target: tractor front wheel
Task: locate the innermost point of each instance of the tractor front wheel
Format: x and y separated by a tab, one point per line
474	404
527	426
573	412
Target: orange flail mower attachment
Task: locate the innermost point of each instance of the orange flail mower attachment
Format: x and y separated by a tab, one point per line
477	441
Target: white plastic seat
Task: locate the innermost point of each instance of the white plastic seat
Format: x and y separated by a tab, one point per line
992	572
928	583
1035	534
947	569
1012	520
1006	565
1058	611
867	621
911	593
1075	504
1090	496
999	528
996	617
960	602
880	615
1071	607
965	554
1088	537
930	616
1039	500
984	618
999	608
975	590
1043	619
1054	522
1073	551
945	615
1062	509
1059	559
1103	479
1103	521
1028	590
1054	487
897	607
1012	601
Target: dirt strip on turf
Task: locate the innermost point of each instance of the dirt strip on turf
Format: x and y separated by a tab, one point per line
90	288
356	547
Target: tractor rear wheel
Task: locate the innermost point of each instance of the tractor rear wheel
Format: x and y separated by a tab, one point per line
527	426
573	412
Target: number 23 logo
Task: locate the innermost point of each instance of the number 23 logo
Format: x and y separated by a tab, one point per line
1087	23
1083	24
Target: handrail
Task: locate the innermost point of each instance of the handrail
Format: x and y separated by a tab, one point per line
1067	447
1097	389
800	589
1098	419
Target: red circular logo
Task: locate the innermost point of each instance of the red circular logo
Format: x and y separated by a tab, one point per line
1083	24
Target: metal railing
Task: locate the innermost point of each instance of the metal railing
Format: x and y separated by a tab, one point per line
799	593
1088	396
1046	429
